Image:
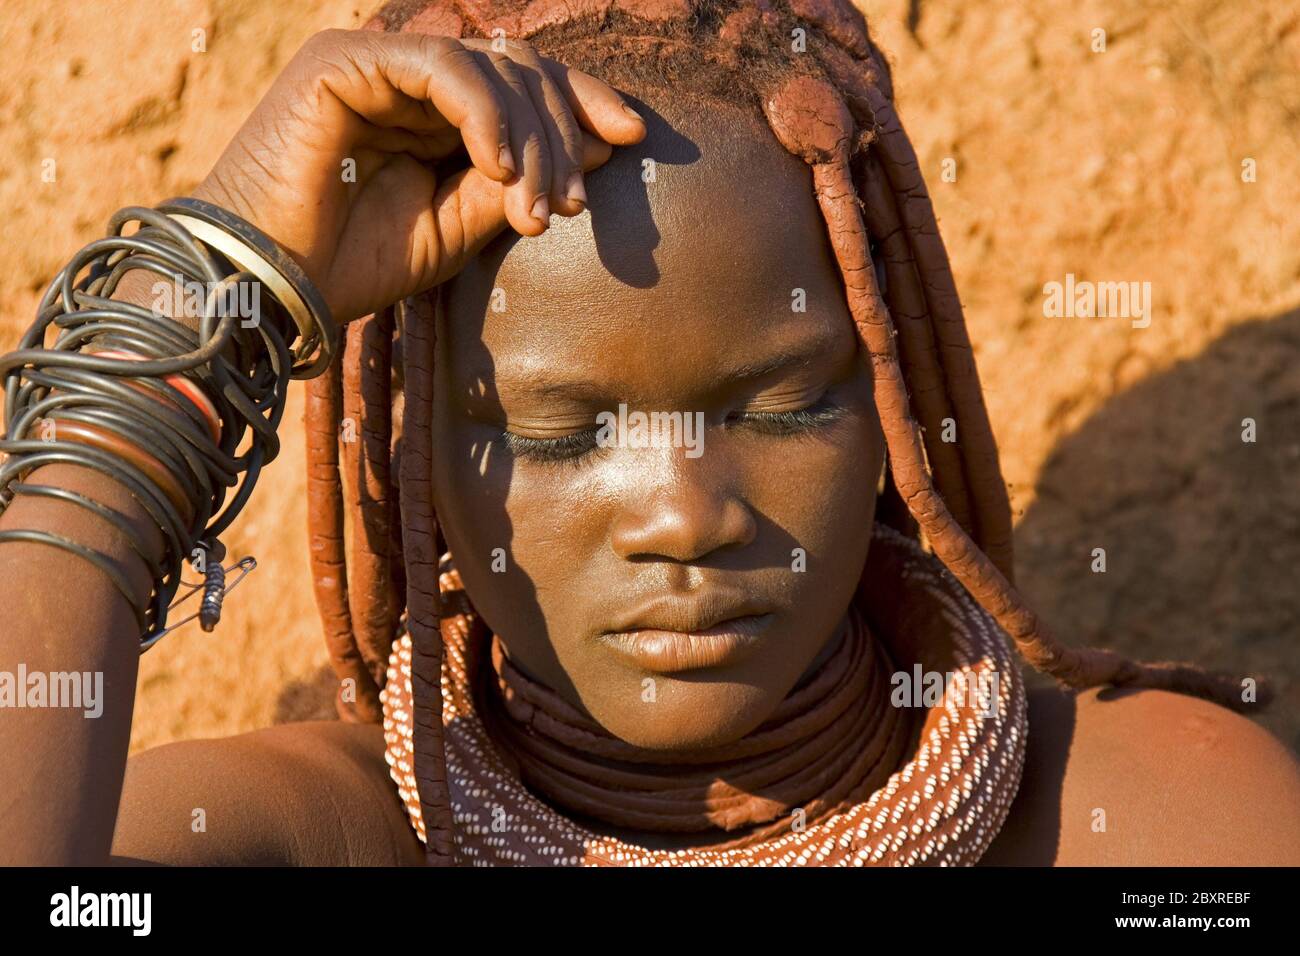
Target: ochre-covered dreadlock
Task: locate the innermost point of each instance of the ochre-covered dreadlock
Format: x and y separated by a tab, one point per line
831	104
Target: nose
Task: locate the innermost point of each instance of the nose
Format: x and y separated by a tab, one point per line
684	517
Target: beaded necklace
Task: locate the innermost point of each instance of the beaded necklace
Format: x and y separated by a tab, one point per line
943	803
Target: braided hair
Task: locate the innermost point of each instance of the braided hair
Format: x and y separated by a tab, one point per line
811	69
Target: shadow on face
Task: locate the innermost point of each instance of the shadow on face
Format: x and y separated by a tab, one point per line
673	581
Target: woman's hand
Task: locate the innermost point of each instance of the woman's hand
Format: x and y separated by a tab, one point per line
335	162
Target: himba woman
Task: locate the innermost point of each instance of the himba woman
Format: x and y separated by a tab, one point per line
569	651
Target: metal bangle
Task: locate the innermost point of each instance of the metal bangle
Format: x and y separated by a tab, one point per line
133	417
252	250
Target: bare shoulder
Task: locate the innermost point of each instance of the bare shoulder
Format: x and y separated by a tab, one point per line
1128	778
314	793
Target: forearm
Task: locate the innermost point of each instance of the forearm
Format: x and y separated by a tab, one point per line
63	765
143	463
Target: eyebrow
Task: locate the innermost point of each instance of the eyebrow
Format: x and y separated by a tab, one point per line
808	352
539	382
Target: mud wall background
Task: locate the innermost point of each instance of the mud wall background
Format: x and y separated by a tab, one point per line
1122	165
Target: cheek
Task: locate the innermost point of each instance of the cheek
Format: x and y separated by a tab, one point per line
520	535
470	487
548	519
822	494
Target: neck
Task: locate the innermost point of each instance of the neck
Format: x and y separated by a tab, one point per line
832	644
834	738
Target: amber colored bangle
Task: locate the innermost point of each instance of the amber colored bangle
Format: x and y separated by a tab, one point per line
133	454
192	392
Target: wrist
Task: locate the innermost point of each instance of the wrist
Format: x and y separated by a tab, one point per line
278	274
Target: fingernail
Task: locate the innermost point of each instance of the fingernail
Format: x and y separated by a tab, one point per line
633	113
506	158
577	192
542	210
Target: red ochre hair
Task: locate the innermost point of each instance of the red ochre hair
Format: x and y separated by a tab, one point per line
829	103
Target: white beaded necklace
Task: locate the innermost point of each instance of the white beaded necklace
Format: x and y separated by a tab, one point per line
943	806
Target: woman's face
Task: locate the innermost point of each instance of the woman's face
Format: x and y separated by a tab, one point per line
672	582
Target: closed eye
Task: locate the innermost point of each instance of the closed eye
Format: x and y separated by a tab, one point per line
577	446
823	413
565	448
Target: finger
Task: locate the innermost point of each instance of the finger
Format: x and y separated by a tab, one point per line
526	196
469	210
568	195
568	191
420	82
596	106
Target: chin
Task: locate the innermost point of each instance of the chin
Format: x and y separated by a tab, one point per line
691	713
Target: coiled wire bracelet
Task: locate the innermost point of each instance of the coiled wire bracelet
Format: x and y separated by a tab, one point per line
162	408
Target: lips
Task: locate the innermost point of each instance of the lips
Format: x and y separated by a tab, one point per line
676	634
667	652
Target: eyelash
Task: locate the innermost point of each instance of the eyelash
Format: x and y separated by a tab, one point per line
576	447
570	448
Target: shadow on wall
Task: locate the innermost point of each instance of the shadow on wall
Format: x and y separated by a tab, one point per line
1201	529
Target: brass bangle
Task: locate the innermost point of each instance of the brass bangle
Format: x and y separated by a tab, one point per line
249	260
251	250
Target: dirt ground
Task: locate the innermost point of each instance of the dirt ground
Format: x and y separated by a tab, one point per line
1117	165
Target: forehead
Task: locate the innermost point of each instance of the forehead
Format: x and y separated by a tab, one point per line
705	233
